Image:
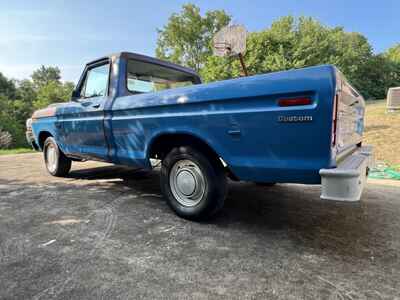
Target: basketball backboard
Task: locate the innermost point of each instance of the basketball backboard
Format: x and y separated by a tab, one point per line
230	41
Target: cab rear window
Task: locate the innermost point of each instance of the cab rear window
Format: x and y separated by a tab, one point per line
144	77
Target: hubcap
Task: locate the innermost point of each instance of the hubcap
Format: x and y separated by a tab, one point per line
187	182
51	156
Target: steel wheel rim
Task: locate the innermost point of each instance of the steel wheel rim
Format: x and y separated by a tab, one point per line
187	182
51	158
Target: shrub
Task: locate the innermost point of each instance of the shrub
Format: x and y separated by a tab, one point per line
5	139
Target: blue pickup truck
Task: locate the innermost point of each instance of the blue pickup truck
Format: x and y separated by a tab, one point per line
297	126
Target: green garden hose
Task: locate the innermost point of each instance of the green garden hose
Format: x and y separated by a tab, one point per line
382	171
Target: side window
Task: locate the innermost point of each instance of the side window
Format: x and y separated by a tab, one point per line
96	82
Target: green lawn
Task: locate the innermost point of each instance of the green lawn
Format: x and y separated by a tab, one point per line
16	151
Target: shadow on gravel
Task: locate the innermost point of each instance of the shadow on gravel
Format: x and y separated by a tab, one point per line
108	172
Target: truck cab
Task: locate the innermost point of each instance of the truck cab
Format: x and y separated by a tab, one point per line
83	123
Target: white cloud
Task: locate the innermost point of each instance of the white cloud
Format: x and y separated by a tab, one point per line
18	71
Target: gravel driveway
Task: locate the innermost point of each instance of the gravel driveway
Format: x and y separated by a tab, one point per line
106	232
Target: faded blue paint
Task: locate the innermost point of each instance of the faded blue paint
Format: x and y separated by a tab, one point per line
237	118
46	125
82	129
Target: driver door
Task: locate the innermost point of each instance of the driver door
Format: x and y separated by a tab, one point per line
83	121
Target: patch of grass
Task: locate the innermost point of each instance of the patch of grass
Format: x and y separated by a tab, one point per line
16	151
382	130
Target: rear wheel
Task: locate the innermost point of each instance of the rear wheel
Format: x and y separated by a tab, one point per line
193	185
57	164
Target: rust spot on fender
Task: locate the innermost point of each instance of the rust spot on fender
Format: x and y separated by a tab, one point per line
44	113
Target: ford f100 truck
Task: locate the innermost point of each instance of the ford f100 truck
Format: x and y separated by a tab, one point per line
297	126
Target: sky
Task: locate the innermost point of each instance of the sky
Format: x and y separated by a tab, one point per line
68	34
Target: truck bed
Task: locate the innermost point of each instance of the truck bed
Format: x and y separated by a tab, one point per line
242	121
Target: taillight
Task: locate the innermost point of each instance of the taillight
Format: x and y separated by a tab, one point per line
334	119
294	101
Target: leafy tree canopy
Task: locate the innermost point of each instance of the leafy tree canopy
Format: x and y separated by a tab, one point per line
45	75
186	39
53	92
7	87
18	99
295	43
393	54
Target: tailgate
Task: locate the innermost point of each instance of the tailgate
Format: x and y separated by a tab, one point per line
348	118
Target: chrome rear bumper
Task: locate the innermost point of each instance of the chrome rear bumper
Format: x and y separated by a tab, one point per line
346	181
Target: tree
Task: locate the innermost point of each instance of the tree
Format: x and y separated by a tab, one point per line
7	87
48	87
295	43
26	90
393	54
53	92
45	75
9	124
18	99
379	76
289	43
186	39
26	95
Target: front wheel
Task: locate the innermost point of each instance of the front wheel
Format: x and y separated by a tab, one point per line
193	185
57	164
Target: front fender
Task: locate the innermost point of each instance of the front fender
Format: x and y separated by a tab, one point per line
40	126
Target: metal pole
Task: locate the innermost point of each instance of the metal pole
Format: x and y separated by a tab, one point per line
243	65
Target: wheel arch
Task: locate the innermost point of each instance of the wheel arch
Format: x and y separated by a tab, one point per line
43	135
163	143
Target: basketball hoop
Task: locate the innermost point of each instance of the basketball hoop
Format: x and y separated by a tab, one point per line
231	41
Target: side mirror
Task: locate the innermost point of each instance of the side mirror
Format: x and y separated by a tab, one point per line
75	95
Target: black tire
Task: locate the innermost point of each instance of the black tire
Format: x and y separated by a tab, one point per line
62	164
214	185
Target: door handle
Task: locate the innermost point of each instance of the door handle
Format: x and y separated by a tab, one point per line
96	105
234	132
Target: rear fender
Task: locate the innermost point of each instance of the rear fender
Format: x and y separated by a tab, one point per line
213	145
